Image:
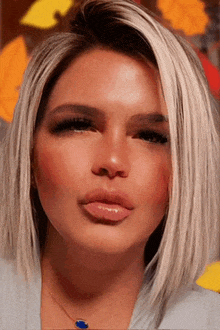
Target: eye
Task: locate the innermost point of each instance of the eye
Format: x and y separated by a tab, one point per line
74	124
152	137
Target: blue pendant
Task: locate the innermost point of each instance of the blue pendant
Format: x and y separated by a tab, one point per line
80	324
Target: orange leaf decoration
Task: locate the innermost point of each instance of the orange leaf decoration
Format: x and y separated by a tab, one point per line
186	15
211	278
41	13
13	62
212	74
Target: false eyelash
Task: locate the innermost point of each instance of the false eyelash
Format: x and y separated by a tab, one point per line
153	137
75	124
84	124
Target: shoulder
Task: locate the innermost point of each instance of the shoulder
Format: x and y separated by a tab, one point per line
19	301
9	278
195	309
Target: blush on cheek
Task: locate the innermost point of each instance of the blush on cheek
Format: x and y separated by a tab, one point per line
161	182
153	184
52	169
62	163
162	188
46	172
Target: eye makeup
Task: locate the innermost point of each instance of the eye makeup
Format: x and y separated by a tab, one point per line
82	124
153	137
73	125
69	119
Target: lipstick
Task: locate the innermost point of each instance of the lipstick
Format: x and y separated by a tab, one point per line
107	205
103	211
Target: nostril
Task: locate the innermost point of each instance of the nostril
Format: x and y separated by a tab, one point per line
111	173
103	171
111	162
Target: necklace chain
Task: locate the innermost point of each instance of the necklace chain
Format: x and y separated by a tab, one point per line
76	322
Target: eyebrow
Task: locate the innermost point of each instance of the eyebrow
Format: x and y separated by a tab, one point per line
79	109
151	118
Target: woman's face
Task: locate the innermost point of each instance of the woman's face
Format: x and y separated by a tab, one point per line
102	156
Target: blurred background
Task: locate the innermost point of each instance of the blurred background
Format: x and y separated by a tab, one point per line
25	23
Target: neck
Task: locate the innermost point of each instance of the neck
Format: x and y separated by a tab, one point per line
88	273
87	282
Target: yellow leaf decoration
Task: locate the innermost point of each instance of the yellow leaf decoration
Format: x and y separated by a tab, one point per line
41	13
13	62
211	278
186	15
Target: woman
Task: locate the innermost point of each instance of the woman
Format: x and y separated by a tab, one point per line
110	180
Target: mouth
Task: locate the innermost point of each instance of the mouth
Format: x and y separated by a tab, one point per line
107	207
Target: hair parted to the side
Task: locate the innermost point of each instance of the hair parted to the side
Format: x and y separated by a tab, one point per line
191	227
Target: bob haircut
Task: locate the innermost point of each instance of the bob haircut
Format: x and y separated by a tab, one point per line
188	237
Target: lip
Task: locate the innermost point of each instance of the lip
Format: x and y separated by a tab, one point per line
106	205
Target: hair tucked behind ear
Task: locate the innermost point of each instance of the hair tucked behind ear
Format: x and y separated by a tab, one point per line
188	238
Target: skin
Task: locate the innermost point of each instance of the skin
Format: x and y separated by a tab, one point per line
96	269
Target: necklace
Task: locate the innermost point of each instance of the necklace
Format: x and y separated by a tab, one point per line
79	323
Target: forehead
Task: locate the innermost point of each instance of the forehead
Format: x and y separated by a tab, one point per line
107	79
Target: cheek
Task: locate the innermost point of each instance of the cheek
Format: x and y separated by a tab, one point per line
58	167
153	179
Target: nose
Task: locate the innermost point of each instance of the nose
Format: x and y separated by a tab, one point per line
111	158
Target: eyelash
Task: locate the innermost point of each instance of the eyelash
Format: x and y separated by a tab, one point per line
153	137
75	124
80	125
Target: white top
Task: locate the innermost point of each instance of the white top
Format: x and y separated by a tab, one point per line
20	306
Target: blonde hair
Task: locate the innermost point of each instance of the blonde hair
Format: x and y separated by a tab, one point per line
190	238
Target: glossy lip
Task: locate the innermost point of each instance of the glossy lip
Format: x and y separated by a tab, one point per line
108	197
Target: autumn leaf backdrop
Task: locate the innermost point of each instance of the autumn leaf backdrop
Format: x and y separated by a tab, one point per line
26	22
